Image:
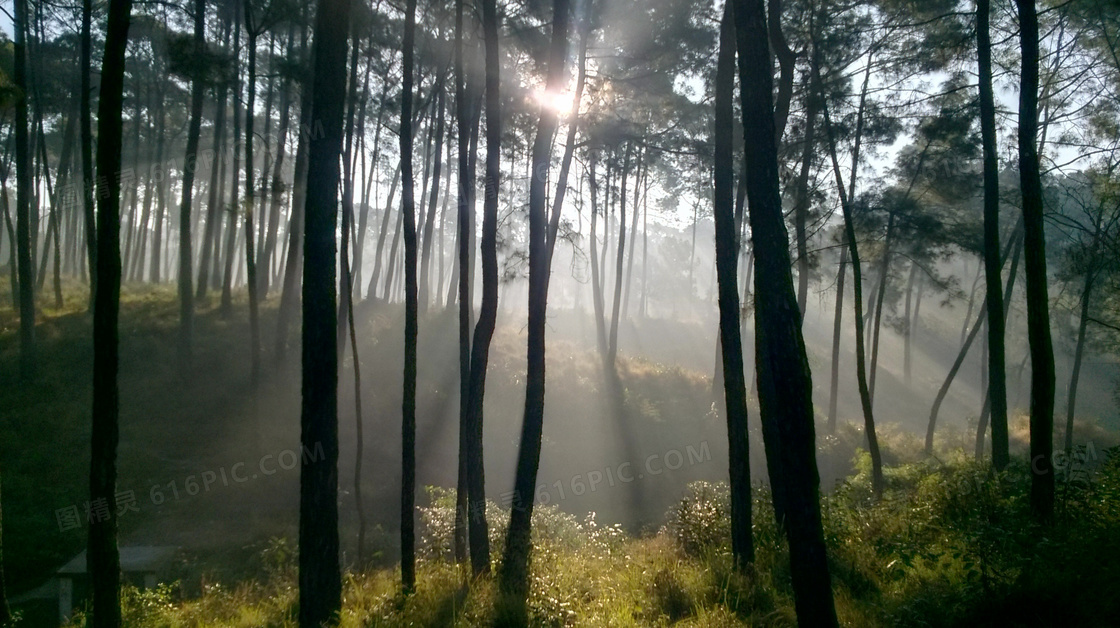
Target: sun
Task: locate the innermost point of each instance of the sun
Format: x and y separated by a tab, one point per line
558	102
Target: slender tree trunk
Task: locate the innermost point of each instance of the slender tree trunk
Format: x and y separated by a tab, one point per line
884	278
408	405
1078	353
85	110
597	278
377	257
911	281
834	383
620	256
186	293
857	285
727	257
801	198
425	290
1038	301
250	207
24	234
293	264
103	558
276	194
320	580
997	369
465	210
515	566
214	195
161	184
785	385
226	304
968	343
487	315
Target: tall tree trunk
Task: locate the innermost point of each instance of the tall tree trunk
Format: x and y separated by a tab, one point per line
515	566
802	199
997	369
837	319
1038	301
161	183
488	313
408	405
293	264
186	292
85	110
320	580
425	290
377	257
24	234
932	425
250	207
465	212
784	383
907	343
857	286
597	278
884	278
727	257
620	253
1071	404
276	193
214	195
102	557
226	303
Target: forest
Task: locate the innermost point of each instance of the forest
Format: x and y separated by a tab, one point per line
573	313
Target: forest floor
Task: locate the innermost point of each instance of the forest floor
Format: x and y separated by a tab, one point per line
949	545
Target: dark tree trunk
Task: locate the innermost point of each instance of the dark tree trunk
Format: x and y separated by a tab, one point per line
570	143
85	110
425	290
997	370
214	195
226	303
103	559
276	193
515	565
944	390
911	281
293	264
24	234
1079	352
597	278
186	293
802	199
727	257
1038	301
161	184
884	278
371	291
464	205
250	207
857	285
320	581
834	384
408	405
784	383
487	316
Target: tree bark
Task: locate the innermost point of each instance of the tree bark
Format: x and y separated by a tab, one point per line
785	385
834	384
102	557
85	109
997	369
1038	301
24	235
408	405
186	293
967	344
320	580
515	566
727	258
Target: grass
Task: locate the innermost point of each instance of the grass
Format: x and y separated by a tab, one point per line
949	545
